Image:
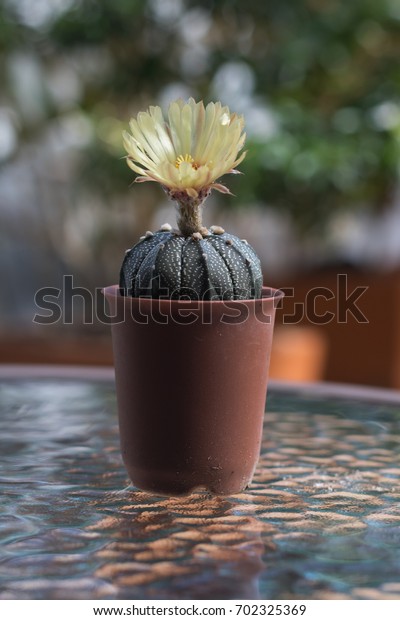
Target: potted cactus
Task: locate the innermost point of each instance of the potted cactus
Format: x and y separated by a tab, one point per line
192	323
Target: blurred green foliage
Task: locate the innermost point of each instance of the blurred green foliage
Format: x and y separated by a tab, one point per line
322	77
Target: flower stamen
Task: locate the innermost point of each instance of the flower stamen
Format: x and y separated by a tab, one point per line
188	159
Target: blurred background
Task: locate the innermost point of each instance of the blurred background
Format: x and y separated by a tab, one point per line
319	84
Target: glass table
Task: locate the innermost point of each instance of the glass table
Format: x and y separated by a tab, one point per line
320	521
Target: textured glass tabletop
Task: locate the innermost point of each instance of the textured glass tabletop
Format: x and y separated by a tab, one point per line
321	520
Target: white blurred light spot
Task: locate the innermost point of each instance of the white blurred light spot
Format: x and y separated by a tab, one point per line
74	130
166	11
173	91
233	80
64	86
261	122
195	25
194	60
386	115
8	134
27	85
38	13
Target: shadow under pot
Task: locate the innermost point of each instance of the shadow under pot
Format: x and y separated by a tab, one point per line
191	382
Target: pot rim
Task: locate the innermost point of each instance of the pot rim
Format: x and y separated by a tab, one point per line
267	293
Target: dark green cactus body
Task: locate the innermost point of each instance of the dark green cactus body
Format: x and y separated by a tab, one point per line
210	267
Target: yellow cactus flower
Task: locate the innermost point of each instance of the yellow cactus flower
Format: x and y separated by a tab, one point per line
189	151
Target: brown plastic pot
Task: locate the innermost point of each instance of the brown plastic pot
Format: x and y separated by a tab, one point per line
191	381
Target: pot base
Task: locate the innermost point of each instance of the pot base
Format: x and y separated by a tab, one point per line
178	484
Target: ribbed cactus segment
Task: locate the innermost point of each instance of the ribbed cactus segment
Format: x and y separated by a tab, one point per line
208	267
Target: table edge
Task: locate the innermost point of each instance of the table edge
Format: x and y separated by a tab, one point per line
56	371
342	391
106	373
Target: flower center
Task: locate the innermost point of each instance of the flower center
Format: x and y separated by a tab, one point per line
188	159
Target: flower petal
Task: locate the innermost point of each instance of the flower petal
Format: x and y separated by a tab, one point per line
191	192
141	141
134	150
162	133
174	117
143	179
221	188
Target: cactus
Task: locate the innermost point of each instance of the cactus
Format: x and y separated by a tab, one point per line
209	266
192	262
